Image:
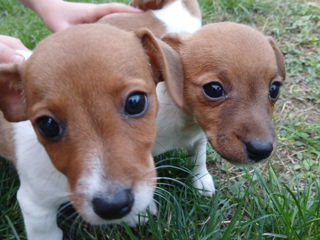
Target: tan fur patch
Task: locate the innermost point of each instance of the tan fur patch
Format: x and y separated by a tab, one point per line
6	140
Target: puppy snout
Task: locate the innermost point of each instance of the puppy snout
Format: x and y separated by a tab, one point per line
258	150
116	207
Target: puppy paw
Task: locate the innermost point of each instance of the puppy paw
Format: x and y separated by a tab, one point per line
205	185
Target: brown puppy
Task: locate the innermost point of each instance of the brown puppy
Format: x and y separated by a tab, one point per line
232	78
83	119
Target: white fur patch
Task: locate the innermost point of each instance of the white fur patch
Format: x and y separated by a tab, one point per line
35	167
177	19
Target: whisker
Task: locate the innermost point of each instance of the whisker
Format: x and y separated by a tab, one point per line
163	197
174	180
174	167
170	194
157	202
165	184
63	207
77	221
75	213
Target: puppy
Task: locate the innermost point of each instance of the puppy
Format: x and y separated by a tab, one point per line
232	79
80	123
232	75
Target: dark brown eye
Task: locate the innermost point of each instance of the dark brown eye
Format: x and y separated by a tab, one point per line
136	104
213	90
49	128
274	91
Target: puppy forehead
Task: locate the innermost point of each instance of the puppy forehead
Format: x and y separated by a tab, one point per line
88	54
229	47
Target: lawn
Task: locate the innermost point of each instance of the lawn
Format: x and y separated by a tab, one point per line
279	199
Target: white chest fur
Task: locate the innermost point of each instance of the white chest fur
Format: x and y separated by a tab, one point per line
35	167
175	129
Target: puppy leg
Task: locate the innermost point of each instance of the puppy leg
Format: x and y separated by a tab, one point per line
39	216
202	179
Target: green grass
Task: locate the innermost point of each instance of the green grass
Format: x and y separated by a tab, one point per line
276	200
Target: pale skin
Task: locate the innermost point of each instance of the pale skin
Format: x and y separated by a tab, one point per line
58	15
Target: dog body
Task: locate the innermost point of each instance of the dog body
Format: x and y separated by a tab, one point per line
65	109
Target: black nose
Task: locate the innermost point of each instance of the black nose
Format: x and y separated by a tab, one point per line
114	208
258	151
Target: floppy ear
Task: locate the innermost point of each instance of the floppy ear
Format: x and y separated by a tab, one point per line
12	102
165	63
175	40
279	57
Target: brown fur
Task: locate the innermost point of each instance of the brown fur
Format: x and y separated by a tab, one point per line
6	139
245	62
131	22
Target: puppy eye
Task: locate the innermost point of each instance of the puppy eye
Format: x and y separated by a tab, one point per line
49	128
213	90
136	104
274	91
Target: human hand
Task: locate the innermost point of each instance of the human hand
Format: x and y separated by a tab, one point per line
8	50
59	15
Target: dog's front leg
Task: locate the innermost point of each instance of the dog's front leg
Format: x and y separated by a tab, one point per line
202	179
39	215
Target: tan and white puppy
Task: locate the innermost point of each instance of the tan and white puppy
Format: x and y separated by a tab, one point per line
232	79
80	123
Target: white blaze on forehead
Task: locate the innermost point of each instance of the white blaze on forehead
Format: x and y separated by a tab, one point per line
91	180
177	18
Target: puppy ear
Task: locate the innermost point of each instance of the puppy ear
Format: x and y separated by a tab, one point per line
175	40
279	57
12	102
165	63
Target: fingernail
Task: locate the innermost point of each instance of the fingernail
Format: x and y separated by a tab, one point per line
17	58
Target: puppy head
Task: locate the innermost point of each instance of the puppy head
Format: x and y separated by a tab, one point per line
89	92
232	78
